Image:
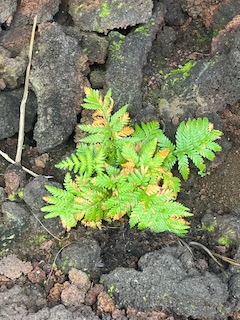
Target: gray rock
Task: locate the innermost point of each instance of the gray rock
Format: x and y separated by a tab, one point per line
45	11
83	255
8	7
59	312
224	229
58	83
97	79
94	46
16	216
9	117
167	281
166	41
11	69
208	87
126	58
2	195
31	297
102	16
225	13
15	223
33	193
174	14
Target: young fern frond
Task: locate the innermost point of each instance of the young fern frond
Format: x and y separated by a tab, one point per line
118	170
195	140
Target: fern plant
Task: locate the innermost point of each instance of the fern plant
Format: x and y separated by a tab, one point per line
119	170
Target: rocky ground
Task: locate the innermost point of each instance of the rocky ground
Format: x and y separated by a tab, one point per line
130	46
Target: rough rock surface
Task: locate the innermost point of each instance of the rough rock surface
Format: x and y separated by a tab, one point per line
33	193
16	40
29	303
174	14
167	280
57	81
8	7
225	12
94	46
224	229
83	255
208	87
13	268
28	9
102	16
9	117
127	56
29	298
11	69
214	14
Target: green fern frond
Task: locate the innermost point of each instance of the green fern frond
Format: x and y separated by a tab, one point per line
146	131
165	143
93	139
195	140
129	153
117	117
90	128
183	165
60	204
160	216
117	170
92	100
147	152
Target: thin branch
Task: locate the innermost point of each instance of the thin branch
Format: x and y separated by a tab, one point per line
45	228
25	96
6	157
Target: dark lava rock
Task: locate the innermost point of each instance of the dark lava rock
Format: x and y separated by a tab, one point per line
224	229
14	223
102	16
95	47
8	7
33	197
58	82
12	68
168	280
15	215
9	116
30	303
31	298
226	12
83	255
15	178
92	44
126	58
174	14
60	312
209	86
28	9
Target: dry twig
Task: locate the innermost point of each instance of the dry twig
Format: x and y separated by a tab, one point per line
25	96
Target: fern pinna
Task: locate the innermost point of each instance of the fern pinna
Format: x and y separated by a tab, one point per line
120	170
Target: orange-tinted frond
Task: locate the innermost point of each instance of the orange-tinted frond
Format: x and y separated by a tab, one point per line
125	132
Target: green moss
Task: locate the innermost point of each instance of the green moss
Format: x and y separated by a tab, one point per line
225	241
68	262
144	29
110	290
104	10
217	30
202	40
210	228
184	70
115	48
